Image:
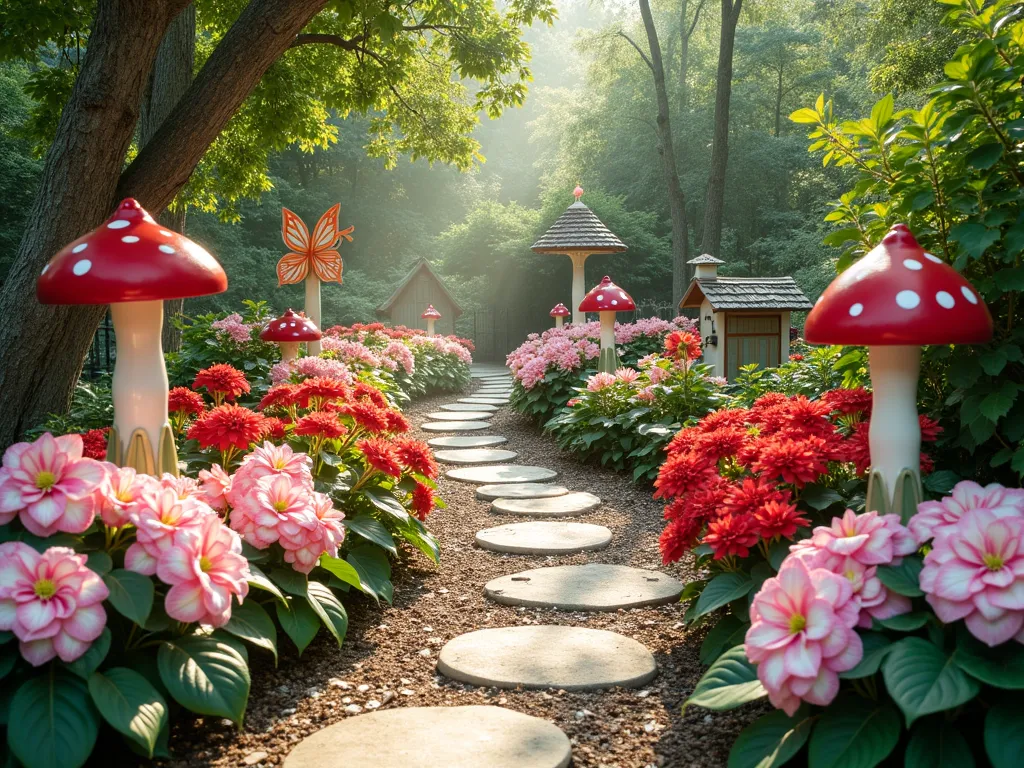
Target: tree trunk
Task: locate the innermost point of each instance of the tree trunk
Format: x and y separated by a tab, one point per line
42	347
168	82
676	198
686	30
714	207
778	104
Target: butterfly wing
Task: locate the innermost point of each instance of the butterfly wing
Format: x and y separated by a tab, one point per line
294	232
327	265
325	233
292	268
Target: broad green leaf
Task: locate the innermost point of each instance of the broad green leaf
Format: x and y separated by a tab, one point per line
207	674
721	590
876	646
923	679
819	497
426	542
853	732
726	634
330	610
1004	736
52	722
250	622
341	569
130	704
903	579
9	656
388	504
299	621
974	238
374	571
771	741
290	580
730	682
905	622
1002	666
985	156
94	655
941	482
260	580
370	528
131	594
99	562
937	744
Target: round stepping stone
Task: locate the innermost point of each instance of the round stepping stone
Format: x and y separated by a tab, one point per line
590	587
466	441
569	658
454	426
501	473
484	400
539	538
475	456
466	416
520	491
567	505
428	737
472	407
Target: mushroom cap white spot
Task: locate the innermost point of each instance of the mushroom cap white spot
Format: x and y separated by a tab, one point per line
81	267
166	248
622	294
165	233
968	294
80	247
945	300
295	333
44	269
600	297
933	257
913	264
119	224
292	324
129	239
855	310
615	302
907	299
282	326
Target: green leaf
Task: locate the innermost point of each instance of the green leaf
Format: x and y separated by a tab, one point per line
771	741
1002	666
131	594
903	579
905	622
426	542
387	504
974	238
374	571
941	482
207	674
9	656
721	590
130	704
985	156
330	610
94	655
290	580
937	744
730	682
1004	736
876	646
252	623
853	732
299	621
819	497
341	569
726	634
53	723
371	528
99	562
923	679
997	404
260	580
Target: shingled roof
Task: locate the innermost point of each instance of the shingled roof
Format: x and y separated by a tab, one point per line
421	266
578	229
746	293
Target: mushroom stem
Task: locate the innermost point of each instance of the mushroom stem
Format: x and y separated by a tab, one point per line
289	350
313	308
894	436
559	320
579	287
609	361
140	377
430	326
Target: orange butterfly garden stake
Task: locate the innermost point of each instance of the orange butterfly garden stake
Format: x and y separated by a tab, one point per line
313	259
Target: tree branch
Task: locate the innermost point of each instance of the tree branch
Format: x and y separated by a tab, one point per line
643	55
696	18
324	39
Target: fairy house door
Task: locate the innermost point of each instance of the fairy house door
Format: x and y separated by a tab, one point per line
420	288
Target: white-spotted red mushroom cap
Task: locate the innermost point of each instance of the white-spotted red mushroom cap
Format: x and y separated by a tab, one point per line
559	310
899	295
607	297
430	312
291	326
131	257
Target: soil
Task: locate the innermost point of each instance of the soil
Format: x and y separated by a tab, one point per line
389	656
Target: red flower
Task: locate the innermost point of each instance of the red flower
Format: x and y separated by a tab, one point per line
381	455
796	461
683	344
416	456
678	536
222	381
319	390
768	401
273	427
805	417
727	417
396	421
320	424
280	395
184	401
708	502
796	358
364	391
731	535
848	401
930	429
422	501
94	443
926	465
751	495
721	443
226	427
855	448
682	472
779	518
368	416
685	440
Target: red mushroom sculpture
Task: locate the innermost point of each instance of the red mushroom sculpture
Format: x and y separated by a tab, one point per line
559	312
606	299
430	315
288	331
894	300
133	263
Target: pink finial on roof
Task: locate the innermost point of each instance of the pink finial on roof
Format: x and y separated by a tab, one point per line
578	192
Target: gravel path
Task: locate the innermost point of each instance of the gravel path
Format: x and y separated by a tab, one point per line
389	656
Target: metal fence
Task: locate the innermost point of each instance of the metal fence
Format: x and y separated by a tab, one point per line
102	352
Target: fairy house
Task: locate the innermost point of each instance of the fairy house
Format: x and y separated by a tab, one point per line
418	290
743	320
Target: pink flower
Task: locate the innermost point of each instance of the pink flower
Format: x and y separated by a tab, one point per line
49	485
657	374
265	461
870	539
975	572
600	381
627	375
934	518
801	635
277	500
51	602
159	515
216	487
646	395
305	540
184	487
121	489
205	567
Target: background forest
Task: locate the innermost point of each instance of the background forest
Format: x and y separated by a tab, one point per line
590	118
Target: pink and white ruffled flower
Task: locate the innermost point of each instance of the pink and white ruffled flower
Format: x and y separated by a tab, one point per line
600	381
304	543
184	487
975	572
204	567
215	487
158	516
627	375
50	486
276	501
801	635
51	602
122	488
266	461
869	538
934	518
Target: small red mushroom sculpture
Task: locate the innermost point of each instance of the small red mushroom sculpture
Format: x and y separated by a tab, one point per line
559	312
288	331
606	298
133	263
894	300
430	315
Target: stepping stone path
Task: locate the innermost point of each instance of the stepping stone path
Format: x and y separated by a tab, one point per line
569	658
475	407
566	505
590	587
466	416
483	401
434	737
475	456
520	491
454	426
466	441
539	538
501	473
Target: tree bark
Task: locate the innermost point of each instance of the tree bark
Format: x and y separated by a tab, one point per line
168	82
676	198
42	347
711	241
686	30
